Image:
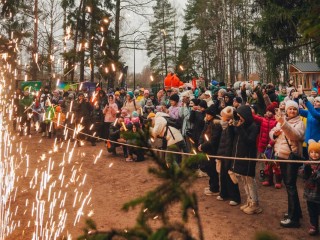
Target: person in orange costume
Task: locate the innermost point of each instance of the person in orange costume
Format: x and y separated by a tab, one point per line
172	80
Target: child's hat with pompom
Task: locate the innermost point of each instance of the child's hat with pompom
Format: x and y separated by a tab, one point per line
135	114
313	146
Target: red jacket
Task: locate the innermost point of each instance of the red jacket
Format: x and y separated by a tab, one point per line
266	124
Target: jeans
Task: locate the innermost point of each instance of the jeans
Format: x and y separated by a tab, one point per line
314	212
289	173
250	187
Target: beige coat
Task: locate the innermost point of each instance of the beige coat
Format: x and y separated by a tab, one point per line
160	126
294	130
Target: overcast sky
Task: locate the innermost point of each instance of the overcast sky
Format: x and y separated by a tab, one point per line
141	56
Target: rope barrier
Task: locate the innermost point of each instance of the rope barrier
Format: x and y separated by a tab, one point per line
192	154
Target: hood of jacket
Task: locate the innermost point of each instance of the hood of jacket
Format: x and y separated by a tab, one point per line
245	112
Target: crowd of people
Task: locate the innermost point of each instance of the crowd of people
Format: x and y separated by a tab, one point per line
244	121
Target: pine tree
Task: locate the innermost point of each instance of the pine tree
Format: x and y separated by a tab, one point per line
160	44
184	64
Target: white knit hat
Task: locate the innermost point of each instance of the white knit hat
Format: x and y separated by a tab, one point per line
291	103
227	113
207	93
186	94
317	99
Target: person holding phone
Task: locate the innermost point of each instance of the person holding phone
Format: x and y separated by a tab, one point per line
289	134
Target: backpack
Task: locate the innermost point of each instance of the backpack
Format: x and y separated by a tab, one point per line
171	122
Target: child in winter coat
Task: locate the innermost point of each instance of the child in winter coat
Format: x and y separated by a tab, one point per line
312	187
134	136
135	118
125	115
264	145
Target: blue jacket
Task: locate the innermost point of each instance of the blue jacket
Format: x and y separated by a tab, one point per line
313	122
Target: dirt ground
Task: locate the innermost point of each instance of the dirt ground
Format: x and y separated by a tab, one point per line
53	184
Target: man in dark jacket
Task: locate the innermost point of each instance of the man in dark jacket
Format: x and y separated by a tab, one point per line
83	117
244	146
209	144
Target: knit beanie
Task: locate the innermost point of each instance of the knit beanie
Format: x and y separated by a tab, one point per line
227	113
174	97
131	95
317	99
212	110
238	99
291	103
196	101
271	108
151	115
135	114
203	104
313	146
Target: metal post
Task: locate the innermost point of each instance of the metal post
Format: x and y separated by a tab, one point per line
134	64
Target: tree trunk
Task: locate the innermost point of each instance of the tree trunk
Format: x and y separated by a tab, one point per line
82	50
73	59
35	43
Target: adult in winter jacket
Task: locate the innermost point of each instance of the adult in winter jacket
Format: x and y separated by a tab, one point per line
244	146
313	119
228	189
197	116
110	112
131	104
172	137
184	113
289	133
83	113
209	144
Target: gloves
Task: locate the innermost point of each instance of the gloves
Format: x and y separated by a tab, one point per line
304	98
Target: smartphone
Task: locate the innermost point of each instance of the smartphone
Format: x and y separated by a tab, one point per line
300	89
277	111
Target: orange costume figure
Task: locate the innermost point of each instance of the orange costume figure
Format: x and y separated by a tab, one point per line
172	80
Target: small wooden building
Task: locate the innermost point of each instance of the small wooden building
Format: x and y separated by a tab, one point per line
304	73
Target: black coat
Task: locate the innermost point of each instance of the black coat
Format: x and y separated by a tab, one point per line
244	144
197	120
213	131
225	146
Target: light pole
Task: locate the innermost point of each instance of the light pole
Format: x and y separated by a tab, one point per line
134	58
134	62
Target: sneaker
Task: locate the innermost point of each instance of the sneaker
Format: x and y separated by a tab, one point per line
253	208
278	185
201	174
208	192
129	159
219	198
233	203
288	223
313	231
243	207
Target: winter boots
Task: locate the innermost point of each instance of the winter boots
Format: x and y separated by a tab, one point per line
252	208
